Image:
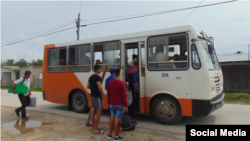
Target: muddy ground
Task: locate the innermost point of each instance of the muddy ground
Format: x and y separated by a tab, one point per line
43	126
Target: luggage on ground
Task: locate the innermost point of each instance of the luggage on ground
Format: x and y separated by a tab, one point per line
127	123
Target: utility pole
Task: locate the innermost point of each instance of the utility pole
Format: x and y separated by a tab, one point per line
33	59
78	27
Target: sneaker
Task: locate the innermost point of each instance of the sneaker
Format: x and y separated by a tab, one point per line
120	130
25	118
109	136
118	138
17	113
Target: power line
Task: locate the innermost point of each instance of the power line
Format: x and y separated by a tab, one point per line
103	30
47	42
93	31
162	12
189	13
113	28
42	32
80	7
34	23
37	37
120	20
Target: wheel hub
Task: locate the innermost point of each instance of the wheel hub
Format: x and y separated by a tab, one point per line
165	110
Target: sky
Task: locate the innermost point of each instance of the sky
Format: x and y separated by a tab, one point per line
229	23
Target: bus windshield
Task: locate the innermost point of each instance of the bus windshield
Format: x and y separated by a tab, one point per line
210	58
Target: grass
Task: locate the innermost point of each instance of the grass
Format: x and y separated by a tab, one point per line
238	98
34	89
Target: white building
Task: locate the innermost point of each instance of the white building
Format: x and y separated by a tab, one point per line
9	74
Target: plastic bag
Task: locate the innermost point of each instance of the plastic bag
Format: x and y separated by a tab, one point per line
32	101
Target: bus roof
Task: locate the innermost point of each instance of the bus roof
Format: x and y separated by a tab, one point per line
132	35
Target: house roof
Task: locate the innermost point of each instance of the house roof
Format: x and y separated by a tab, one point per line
11	67
234	57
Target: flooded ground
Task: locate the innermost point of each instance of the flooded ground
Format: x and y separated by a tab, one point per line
43	126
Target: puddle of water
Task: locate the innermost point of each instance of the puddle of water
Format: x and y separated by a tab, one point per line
21	114
23	126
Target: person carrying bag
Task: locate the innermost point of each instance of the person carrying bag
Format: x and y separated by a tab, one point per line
24	97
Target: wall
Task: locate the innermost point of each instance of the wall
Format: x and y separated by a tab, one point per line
228	72
13	75
35	74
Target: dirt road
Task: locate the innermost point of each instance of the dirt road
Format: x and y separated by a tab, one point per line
43	126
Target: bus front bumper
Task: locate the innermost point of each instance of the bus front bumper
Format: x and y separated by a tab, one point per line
202	108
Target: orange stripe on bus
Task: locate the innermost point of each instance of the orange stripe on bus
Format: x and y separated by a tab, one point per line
186	107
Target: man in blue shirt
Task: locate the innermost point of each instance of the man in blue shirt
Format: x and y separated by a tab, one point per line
111	77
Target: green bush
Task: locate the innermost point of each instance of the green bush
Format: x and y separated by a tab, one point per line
237	91
37	89
238	97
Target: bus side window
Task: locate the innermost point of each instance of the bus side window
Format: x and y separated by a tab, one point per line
107	54
57	60
165	52
79	58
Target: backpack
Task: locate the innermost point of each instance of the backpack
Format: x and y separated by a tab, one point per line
129	95
127	123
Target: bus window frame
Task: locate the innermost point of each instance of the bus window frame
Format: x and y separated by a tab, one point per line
48	55
93	51
69	57
188	56
197	55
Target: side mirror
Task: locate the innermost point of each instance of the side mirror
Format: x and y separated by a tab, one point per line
210	49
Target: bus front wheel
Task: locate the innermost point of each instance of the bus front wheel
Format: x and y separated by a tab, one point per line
166	110
79	102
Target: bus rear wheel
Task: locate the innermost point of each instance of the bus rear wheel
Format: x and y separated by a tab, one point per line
166	110
79	102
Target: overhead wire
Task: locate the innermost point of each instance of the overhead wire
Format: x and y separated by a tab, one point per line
47	42
111	28
190	13
34	23
93	31
43	32
80	7
37	37
162	12
103	30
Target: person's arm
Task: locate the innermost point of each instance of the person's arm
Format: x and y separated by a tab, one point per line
29	92
124	96
13	88
108	96
16	82
99	85
88	85
106	85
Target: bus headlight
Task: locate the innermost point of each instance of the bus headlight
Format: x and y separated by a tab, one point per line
213	90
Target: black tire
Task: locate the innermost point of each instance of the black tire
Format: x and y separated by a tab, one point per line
79	102
166	110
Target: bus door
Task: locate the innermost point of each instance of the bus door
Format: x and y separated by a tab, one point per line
131	56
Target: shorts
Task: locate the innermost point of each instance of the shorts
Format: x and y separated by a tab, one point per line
96	102
117	111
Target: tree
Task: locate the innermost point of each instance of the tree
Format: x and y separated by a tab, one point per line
21	62
9	62
38	62
239	52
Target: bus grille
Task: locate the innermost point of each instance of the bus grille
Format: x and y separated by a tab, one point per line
218	84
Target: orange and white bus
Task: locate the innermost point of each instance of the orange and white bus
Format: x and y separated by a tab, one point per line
179	74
